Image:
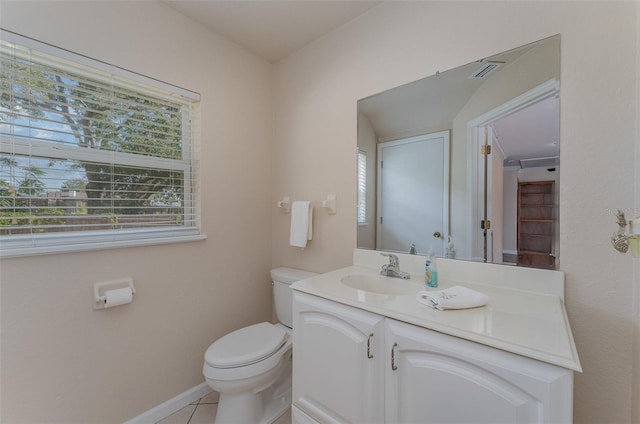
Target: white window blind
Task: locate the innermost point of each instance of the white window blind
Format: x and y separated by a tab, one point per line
362	187
90	154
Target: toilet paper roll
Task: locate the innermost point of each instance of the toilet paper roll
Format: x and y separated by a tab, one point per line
634	226
117	297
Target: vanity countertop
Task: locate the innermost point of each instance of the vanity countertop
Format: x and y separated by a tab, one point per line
528	323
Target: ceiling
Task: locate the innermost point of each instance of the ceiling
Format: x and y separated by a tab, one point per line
429	104
531	133
421	105
272	29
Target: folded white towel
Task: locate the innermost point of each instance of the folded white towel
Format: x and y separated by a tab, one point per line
301	223
456	297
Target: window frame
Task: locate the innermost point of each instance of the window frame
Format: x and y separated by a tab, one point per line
74	241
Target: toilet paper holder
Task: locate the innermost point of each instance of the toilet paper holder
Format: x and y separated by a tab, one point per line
100	289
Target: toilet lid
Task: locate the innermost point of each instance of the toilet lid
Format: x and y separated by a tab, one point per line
246	346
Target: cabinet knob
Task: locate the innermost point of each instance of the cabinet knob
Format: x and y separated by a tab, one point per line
437	234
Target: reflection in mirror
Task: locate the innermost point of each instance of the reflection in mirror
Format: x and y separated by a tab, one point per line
424	181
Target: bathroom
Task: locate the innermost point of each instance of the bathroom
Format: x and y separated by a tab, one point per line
289	128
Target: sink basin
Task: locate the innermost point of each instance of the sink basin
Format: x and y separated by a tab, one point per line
380	284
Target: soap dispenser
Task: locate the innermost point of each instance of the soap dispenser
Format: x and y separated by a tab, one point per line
430	270
450	252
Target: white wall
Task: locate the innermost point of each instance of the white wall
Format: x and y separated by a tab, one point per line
636	285
63	362
395	43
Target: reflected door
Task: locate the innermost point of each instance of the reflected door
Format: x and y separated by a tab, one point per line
413	188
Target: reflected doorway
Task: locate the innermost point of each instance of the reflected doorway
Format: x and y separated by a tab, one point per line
522	137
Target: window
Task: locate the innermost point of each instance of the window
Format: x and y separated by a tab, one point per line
362	187
91	156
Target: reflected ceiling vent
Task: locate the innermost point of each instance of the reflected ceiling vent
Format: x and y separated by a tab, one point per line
540	162
486	69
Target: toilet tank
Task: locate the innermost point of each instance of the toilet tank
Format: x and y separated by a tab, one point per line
282	295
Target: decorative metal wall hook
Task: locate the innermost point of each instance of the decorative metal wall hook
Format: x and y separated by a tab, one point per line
619	239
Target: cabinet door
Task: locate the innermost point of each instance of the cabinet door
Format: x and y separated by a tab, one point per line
337	362
443	379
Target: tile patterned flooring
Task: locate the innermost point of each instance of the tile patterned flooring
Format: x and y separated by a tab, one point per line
203	411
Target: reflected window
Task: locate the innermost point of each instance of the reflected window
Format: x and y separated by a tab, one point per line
362	187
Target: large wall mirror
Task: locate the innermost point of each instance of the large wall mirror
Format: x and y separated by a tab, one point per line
466	162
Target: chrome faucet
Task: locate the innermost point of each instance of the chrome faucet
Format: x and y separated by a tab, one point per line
392	269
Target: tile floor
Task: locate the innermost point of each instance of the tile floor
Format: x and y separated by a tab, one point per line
203	411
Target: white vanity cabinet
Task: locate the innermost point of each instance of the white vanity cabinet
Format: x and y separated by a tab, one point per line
351	365
436	378
338	362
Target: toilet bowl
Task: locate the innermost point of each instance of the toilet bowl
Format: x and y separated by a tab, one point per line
243	365
251	367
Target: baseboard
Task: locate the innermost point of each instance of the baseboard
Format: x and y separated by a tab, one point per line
175	404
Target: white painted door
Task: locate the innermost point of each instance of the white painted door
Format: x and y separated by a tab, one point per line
482	239
443	379
496	198
338	375
413	193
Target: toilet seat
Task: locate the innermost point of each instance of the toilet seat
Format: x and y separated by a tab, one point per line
246	346
254	359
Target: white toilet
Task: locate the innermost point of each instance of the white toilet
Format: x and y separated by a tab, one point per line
251	367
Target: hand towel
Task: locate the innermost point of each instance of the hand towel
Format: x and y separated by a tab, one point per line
456	297
301	223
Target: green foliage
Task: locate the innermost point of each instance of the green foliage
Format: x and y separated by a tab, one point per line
35	218
75	184
21	87
7	195
31	184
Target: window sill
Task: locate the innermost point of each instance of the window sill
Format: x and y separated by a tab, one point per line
17	252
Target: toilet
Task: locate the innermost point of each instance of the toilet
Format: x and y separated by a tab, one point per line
251	367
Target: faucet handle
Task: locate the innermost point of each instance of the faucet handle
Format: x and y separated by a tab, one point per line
393	259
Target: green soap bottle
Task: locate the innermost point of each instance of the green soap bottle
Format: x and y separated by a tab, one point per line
431	270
